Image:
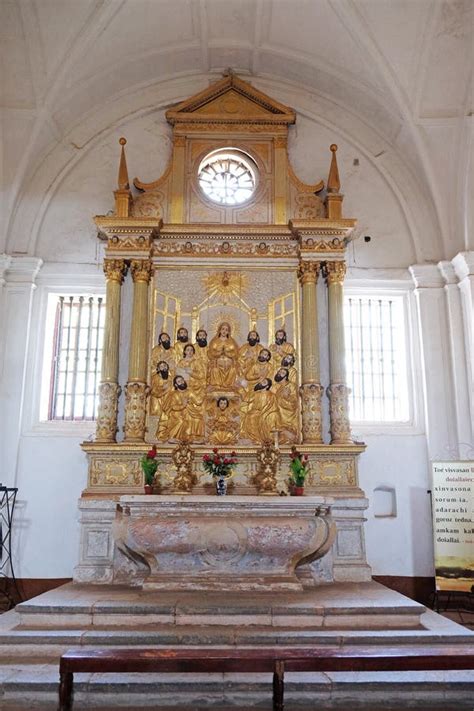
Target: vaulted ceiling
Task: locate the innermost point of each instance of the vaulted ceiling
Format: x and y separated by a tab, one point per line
394	77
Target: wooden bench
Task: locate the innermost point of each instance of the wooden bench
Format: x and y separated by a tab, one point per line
273	660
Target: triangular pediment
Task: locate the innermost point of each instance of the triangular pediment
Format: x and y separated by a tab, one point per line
231	100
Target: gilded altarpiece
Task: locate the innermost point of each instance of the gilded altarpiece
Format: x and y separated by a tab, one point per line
223	348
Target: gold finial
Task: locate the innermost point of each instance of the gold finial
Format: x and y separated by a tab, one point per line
334	184
123	183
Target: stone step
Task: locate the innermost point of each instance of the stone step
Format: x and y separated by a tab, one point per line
343	607
38	684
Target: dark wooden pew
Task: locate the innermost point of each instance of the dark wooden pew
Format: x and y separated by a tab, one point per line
273	660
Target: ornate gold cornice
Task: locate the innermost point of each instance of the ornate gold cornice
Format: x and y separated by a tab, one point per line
273	233
335	272
141	270
308	272
115	269
203	248
132	226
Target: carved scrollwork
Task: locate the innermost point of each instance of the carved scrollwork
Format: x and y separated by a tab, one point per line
311	414
185	478
338	409
135	411
106	424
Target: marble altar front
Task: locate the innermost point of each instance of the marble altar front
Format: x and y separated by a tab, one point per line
238	543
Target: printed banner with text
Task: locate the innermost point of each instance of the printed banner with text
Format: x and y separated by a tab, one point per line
453	515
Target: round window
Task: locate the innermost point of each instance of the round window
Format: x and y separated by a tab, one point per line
228	176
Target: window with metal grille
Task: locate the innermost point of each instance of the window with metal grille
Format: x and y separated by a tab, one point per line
376	358
77	357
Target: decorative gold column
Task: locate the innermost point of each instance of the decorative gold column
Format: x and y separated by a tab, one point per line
337	391
109	390
311	389
136	390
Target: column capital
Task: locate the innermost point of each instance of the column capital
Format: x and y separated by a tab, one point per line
308	272
335	272
23	270
464	264
115	269
426	276
448	272
141	270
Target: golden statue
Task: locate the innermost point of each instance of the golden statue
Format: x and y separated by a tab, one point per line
182	339
201	345
223	421
288	362
194	370
259	369
223	353
287	403
161	384
182	419
281	348
259	413
162	351
249	352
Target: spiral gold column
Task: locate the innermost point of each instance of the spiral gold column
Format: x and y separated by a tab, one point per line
338	391
136	390
311	389
109	390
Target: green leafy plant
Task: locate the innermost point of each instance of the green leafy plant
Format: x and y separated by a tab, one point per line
298	466
149	464
219	464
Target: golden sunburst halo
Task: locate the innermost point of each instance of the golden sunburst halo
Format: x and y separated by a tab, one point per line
225	283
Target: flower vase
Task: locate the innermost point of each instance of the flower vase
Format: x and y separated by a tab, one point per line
298	491
148	489
221	486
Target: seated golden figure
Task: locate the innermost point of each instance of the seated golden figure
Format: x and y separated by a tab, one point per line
223	353
259	413
162	351
194	370
258	369
182	419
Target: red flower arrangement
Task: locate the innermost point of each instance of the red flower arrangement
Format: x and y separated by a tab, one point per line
149	465
219	465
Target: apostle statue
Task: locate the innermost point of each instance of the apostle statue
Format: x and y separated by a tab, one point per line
161	383
281	348
200	347
259	413
289	362
286	399
182	419
223	353
193	369
182	337
248	353
162	351
259	369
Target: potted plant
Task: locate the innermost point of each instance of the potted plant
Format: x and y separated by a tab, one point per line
149	464
298	466
220	467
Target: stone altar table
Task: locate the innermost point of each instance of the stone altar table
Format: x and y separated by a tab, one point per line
231	543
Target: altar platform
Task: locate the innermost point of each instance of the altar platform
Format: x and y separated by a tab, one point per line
33	636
